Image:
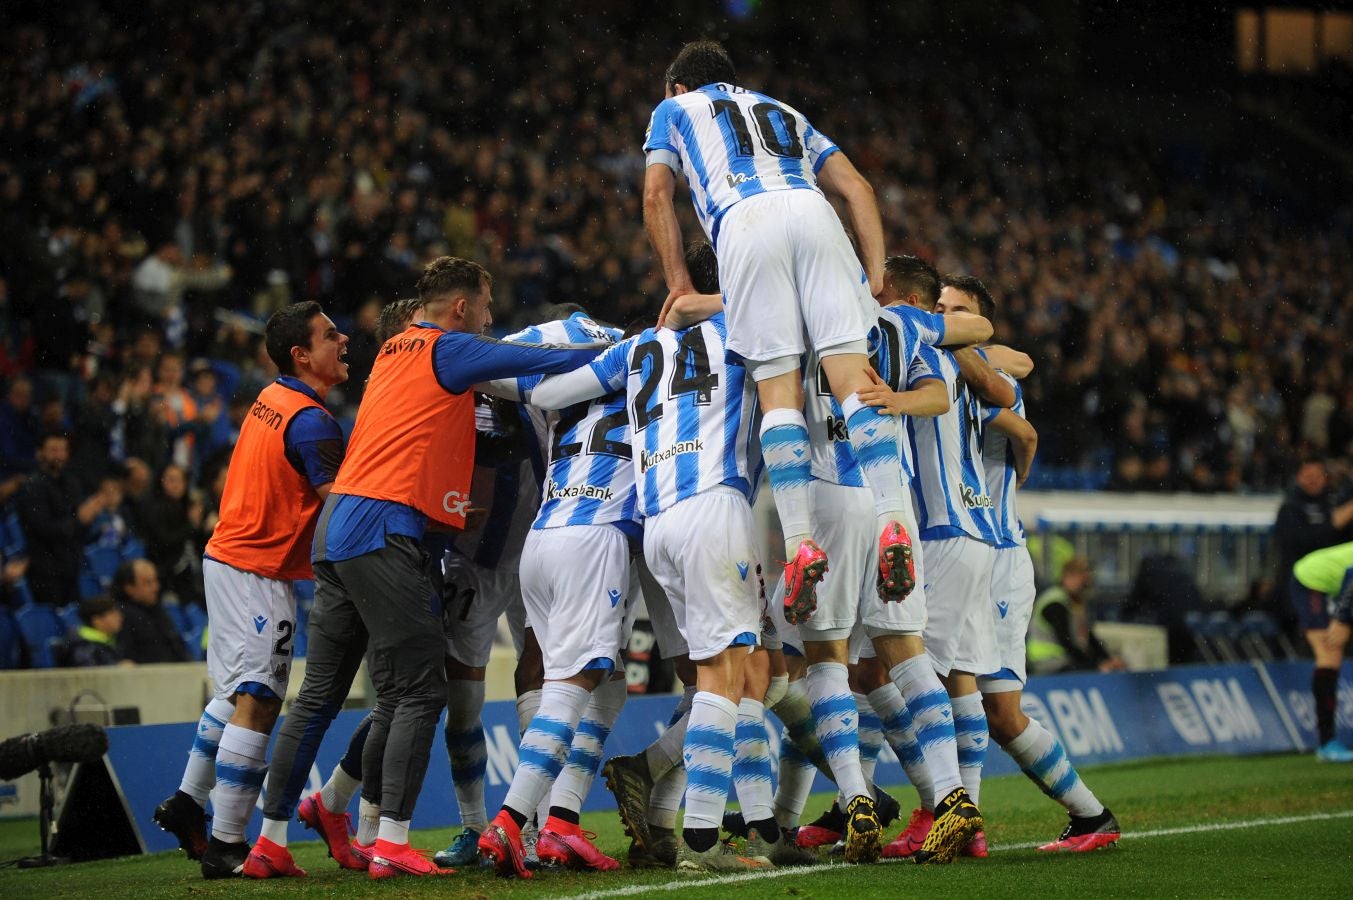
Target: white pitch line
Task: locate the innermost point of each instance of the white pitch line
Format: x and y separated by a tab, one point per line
762	875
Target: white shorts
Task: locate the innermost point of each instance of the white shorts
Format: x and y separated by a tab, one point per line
959	632
575	585
843	525
666	631
252	629
703	554
1012	599
788	271
476	598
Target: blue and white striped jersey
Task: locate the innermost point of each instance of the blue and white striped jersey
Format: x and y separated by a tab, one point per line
951	487
731	144
998	458
588	476
576	329
895	354
693	413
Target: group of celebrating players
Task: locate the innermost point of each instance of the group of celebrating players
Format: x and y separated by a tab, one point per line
780	347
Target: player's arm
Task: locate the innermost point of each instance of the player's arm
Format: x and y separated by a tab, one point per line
604	375
985	381
664	233
1009	360
964	330
463	360
689	309
313	444
1023	441
924	398
840	177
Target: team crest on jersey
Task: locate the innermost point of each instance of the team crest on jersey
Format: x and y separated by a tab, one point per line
743	568
1003	607
259	623
615	597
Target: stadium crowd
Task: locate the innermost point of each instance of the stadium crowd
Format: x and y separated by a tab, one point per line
172	178
172	199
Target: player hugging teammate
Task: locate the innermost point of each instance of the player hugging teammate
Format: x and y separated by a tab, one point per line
852	380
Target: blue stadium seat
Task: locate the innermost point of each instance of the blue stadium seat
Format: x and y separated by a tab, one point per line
89	585
192	639
179	616
195	616
11	641
39	624
70	616
227	377
302	632
102	562
12	541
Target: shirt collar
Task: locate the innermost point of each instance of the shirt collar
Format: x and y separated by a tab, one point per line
290	381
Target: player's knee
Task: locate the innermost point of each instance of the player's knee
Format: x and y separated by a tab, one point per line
256	712
1005	721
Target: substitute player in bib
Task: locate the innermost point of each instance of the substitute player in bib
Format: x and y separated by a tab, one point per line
287	457
693	415
756	170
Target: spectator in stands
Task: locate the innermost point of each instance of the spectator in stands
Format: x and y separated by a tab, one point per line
1313	516
18	429
95	643
172	531
1060	636
148	634
54	520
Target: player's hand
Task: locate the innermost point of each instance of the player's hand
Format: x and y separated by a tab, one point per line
875	284
672	295
878	394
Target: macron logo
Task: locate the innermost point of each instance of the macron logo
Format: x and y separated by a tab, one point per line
742	569
1004	607
259	622
615	597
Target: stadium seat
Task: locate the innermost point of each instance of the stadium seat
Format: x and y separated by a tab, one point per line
227	377
11	641
1260	635
192	639
195	616
89	585
12	541
39	625
1222	632
101	562
70	616
1196	622
302	628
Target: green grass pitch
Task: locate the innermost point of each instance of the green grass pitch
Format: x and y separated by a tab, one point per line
1278	826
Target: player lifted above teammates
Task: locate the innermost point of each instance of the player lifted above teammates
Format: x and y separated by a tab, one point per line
756	170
